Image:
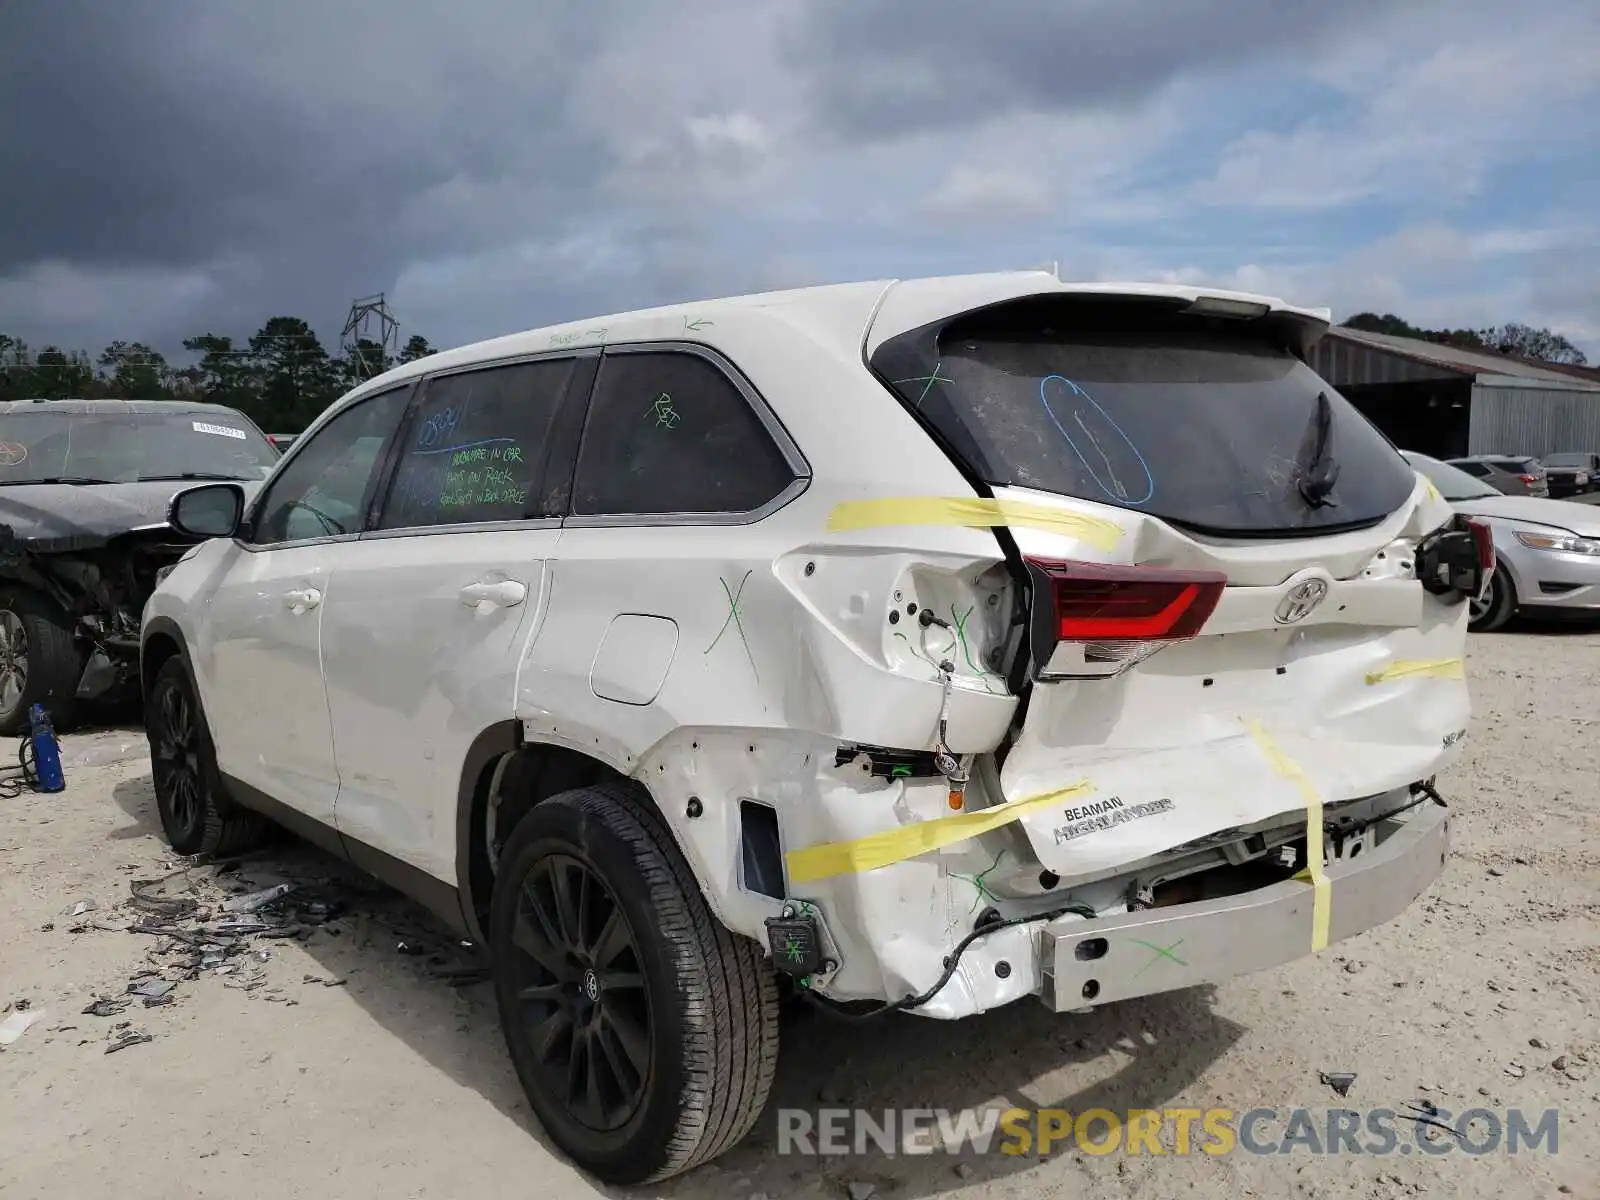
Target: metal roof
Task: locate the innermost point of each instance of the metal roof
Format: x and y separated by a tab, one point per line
1444	361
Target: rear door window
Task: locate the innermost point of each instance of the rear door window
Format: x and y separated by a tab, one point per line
1192	420
477	447
669	432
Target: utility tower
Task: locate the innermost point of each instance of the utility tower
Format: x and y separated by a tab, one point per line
371	336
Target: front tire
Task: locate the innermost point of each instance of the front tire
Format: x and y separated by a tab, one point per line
196	816
1497	608
644	1033
40	662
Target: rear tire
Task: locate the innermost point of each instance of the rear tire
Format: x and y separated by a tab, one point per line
196	815
40	662
1498	608
644	1033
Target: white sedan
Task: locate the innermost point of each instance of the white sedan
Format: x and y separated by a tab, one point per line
1547	551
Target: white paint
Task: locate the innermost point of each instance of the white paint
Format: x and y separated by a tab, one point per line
360	710
634	657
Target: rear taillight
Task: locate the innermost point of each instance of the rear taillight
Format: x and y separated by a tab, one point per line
1528	478
1091	620
1458	558
1483	543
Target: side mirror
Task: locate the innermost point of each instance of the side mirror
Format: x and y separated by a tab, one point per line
212	510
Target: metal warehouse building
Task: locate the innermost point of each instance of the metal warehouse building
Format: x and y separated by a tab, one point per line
1446	402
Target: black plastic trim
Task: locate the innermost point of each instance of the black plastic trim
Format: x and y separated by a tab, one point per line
501	738
438	897
761	850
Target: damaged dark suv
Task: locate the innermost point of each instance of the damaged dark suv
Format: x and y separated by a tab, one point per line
84	489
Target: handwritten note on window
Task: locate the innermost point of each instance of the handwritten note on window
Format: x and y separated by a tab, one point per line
477	448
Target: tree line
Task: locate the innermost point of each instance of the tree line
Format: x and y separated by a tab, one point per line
281	377
1518	341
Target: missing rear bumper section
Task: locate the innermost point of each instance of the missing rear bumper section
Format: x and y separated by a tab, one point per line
1089	963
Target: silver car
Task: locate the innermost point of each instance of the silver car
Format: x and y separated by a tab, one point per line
1547	551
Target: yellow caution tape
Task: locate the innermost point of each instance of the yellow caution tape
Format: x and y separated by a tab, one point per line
1442	668
1321	893
908	841
972	512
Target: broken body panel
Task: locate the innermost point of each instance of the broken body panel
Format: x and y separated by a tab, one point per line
812	684
852	707
84	491
96	552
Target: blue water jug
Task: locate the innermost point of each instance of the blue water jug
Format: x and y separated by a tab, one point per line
46	751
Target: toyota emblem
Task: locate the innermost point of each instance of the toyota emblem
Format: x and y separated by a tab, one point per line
1303	597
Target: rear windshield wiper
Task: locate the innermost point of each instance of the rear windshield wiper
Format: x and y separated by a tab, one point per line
71	479
191	475
1318	469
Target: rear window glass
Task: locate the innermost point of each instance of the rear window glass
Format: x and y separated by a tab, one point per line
1188	419
670	433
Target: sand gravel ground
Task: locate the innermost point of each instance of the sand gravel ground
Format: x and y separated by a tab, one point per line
395	1084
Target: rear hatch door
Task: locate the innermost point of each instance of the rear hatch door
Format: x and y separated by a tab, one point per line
1254	632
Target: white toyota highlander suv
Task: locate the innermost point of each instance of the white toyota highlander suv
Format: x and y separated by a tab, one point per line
915	646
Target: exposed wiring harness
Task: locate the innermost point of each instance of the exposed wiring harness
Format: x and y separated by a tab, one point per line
951	962
1428	793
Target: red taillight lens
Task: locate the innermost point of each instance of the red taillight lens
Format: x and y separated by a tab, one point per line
1119	614
1483	542
1528	478
1097	603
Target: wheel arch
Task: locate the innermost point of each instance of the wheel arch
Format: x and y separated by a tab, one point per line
1517	572
162	641
507	775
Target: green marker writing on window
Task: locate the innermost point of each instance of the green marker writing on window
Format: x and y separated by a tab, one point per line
661	409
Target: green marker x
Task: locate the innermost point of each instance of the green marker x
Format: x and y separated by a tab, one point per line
1160	953
733	619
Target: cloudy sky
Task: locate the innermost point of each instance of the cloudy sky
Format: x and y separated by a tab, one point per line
178	166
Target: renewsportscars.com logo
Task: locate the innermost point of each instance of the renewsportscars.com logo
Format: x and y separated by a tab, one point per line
1417	1129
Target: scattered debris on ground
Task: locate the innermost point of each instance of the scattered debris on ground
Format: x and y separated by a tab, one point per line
124	1035
220	919
1339	1081
16	1024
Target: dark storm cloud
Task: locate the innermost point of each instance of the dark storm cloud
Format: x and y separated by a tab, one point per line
287	141
883	67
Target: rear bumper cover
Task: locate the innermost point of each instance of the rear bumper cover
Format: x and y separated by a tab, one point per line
1089	963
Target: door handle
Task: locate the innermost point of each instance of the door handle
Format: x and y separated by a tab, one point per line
505	594
302	600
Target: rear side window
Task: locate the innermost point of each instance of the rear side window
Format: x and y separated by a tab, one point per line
1190	419
669	432
1473	468
476	448
1515	465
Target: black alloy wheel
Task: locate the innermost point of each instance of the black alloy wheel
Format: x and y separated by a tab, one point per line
643	1031
196	814
578	978
176	767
